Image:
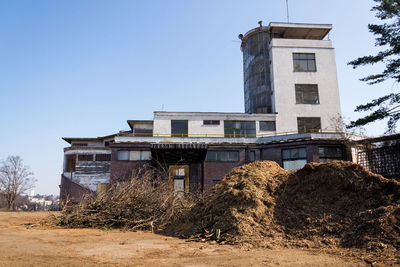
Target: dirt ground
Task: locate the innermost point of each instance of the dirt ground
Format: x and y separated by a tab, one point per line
22	245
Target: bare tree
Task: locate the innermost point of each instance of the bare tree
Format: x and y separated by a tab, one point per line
15	179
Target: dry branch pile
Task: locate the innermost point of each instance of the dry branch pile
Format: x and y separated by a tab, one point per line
141	203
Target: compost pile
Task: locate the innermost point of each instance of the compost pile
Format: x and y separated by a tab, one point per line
336	204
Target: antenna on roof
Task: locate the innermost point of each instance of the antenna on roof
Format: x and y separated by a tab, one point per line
287	10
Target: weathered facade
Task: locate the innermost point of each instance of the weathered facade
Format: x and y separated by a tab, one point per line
291	100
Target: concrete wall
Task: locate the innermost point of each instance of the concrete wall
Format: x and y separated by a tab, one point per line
284	80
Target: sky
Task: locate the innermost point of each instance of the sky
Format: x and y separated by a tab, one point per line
82	68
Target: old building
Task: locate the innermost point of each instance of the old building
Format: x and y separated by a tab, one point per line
291	100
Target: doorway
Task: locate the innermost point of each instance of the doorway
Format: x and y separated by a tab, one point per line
179	178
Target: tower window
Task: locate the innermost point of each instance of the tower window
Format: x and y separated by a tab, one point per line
307	94
308	124
304	62
179	128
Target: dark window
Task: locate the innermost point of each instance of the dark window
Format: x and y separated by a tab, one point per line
79	144
307	94
222	156
240	129
103	157
252	156
330	153
308	125
267	126
70	164
143	132
85	157
211	122
294	158
179	128
304	62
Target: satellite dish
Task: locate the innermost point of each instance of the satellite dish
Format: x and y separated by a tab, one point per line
260	22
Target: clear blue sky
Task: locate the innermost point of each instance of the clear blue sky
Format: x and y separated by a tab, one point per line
82	68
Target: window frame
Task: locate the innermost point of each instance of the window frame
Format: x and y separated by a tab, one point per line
241	132
313	130
211	122
185	130
301	88
297	59
219	158
141	157
329	157
266	122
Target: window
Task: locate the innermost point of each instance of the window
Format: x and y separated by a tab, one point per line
330	153
70	164
103	157
179	128
134	155
85	157
227	156
267	126
308	125
252	156
294	159
211	122
240	129
80	144
123	155
304	62
307	94
143	132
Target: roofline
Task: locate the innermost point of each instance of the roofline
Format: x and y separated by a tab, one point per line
271	25
70	139
191	113
138	121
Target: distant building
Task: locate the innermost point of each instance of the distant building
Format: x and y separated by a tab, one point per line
291	102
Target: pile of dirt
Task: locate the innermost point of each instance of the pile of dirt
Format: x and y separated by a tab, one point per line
335	204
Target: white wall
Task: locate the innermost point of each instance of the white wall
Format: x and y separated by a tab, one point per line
284	80
196	128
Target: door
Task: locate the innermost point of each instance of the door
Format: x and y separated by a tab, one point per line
179	178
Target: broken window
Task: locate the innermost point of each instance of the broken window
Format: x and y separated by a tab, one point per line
330	153
226	156
304	62
307	94
211	122
267	126
179	128
294	158
240	129
308	124
85	157
103	157
70	163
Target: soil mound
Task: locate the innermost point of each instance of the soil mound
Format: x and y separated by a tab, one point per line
241	207
335	204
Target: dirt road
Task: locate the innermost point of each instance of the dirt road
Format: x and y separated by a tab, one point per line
21	245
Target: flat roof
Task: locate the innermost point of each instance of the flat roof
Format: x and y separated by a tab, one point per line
87	139
311	31
172	113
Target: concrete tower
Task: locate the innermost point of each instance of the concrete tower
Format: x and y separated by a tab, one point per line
290	70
